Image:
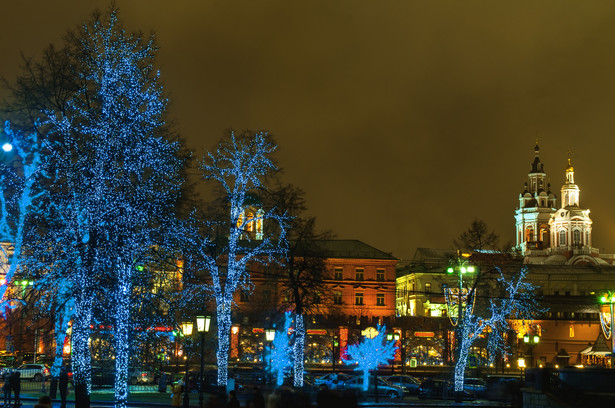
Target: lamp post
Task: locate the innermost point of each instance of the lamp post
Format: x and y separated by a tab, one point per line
270	336
202	326
607	320
391	337
187	331
461	267
531	341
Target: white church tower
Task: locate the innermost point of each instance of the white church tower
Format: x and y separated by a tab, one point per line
536	205
571	227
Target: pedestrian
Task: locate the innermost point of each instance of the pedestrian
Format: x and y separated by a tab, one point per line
63	384
176	396
233	402
16	385
7	388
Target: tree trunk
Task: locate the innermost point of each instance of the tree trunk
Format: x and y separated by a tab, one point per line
224	330
121	334
82	363
299	350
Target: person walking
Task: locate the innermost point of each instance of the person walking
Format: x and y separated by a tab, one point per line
7	388
63	384
16	385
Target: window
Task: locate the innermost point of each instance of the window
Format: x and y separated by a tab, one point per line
576	237
317	298
337	298
359	274
379	299
244	296
428	287
562	238
358	298
571	330
338	274
380	275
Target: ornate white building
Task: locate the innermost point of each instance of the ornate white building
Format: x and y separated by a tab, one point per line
546	234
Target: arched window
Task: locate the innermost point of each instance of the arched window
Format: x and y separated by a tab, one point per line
562	238
544	233
529	233
576	237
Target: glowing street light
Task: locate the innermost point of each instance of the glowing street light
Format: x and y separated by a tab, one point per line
270	337
7	147
202	326
607	319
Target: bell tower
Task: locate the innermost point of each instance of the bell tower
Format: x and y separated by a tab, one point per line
536	204
571	226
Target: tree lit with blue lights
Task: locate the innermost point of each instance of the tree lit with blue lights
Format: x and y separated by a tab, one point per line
239	166
371	352
516	301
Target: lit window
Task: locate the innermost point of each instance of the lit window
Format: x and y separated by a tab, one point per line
428	287
380	275
571	331
338	274
358	298
359	274
380	299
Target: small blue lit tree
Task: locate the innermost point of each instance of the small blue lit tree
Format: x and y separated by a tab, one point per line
516	300
370	353
281	350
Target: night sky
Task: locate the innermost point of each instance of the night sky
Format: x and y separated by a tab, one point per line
402	120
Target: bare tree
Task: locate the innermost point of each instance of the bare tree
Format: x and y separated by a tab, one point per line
477	237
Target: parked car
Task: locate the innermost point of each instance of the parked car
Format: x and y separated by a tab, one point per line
384	388
332	380
140	376
475	386
34	372
412	384
441	389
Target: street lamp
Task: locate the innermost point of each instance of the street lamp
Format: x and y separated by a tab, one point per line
531	341
607	320
187	331
270	336
461	267
391	337
202	326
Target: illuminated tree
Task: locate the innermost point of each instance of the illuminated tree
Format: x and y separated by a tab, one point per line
117	180
239	166
280	352
509	298
19	191
370	353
